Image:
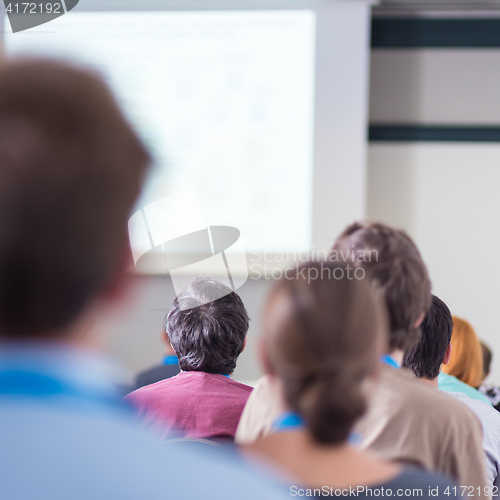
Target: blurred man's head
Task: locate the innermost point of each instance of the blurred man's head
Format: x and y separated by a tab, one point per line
207	337
392	260
71	168
434	348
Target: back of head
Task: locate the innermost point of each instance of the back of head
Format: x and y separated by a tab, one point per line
466	361
426	357
487	357
207	337
70	170
322	338
393	262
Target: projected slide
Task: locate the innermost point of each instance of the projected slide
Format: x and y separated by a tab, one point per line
224	100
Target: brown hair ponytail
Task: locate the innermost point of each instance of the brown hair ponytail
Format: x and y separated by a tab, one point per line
323	337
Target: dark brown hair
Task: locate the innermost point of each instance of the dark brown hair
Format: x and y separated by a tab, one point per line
426	357
323	337
71	168
393	262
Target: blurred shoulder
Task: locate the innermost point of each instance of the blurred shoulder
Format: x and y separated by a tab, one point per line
264	405
414	397
150	390
414	390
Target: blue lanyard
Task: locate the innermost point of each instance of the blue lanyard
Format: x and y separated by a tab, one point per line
171	360
290	421
19	382
389	361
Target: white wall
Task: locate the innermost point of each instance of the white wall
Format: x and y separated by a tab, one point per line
446	195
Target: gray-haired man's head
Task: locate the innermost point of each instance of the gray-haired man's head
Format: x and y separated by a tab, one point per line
207	327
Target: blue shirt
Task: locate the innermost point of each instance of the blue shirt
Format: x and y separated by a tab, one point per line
65	434
449	383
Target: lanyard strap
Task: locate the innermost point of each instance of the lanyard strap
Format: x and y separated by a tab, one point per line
390	361
290	421
171	360
18	382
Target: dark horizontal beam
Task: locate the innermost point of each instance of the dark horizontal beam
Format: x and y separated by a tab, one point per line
435	32
417	133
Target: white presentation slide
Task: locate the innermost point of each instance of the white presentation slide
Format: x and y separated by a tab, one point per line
224	100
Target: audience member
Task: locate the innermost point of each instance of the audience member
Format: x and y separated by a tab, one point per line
70	170
168	368
464	371
202	401
322	340
487	357
492	392
406	421
425	360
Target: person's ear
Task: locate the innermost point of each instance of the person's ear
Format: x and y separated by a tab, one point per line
419	320
167	343
447	356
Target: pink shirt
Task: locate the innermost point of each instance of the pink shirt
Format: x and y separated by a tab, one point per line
199	404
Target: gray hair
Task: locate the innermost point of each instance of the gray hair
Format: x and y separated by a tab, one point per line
207	326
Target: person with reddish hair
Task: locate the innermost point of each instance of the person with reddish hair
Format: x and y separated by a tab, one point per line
464	370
